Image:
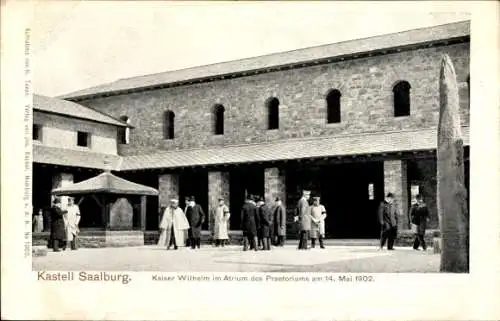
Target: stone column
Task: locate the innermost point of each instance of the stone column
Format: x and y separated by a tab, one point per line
218	186
395	181
62	180
168	188
274	185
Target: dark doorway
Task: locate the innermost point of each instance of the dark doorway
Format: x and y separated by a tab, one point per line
350	201
194	183
243	181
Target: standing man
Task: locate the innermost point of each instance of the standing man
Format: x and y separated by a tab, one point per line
266	221
249	223
72	220
195	217
304	219
173	226
187	204
419	215
279	222
388	219
38	221
318	214
220	216
57	226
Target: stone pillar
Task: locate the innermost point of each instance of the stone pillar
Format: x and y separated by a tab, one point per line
395	181
218	186
62	180
168	188
274	185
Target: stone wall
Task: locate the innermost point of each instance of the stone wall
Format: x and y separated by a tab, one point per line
168	188
61	132
366	102
218	186
275	185
395	181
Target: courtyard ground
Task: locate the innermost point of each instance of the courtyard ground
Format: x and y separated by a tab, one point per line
233	259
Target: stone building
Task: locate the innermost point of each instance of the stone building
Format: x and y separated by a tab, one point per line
350	121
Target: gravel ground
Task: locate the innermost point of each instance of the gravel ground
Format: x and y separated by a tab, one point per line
232	259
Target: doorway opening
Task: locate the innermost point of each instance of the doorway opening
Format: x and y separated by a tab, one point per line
243	181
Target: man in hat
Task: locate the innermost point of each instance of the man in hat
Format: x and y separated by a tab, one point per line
304	219
173	226
249	223
195	217
266	221
57	225
318	214
279	223
72	220
220	219
419	216
388	219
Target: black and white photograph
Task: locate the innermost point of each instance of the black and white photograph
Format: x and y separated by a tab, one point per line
349	156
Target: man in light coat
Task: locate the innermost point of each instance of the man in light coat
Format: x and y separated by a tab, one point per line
173	226
304	219
72	221
318	214
220	219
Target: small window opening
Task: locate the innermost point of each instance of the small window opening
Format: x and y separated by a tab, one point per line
272	105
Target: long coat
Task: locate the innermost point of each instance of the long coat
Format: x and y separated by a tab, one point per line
279	220
250	219
304	214
173	218
72	220
220	216
388	215
419	215
57	226
266	220
195	217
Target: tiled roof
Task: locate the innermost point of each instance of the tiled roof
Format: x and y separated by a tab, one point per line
71	109
68	157
106	183
383	142
341	49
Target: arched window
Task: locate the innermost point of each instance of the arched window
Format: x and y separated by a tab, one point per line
218	119
273	113
333	106
168	130
124	132
402	99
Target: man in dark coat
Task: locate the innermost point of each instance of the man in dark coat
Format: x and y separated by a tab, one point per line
266	224
388	219
419	215
195	217
249	223
304	219
279	222
57	226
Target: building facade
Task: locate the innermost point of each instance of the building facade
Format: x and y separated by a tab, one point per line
349	121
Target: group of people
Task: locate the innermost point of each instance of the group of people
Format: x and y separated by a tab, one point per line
388	218
175	222
64	222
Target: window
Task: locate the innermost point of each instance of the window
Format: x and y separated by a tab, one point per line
37	132
124	132
219	119
401	99
273	113
83	139
333	106
168	130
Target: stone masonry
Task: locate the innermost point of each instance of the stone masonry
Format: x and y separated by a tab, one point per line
366	103
274	184
168	188
395	181
218	186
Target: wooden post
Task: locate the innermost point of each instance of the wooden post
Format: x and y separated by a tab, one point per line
143	212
